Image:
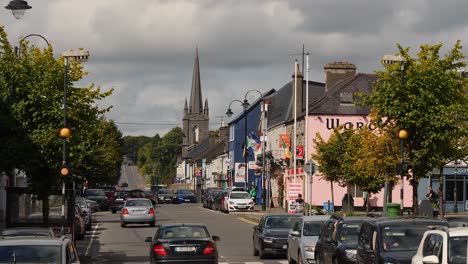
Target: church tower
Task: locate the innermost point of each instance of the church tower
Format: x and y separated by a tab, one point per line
195	120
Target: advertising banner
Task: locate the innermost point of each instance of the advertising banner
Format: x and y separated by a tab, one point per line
239	172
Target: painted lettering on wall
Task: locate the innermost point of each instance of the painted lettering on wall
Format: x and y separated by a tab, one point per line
333	123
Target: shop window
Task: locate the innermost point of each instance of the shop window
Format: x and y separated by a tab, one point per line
355	191
449	190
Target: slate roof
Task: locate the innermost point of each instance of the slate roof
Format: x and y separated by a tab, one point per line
331	102
281	109
199	149
216	150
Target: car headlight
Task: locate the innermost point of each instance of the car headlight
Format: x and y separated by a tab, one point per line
231	202
268	239
350	253
309	248
251	202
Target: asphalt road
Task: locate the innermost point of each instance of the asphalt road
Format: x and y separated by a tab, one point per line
110	243
132	176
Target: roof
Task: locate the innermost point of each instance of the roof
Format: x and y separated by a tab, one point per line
216	150
331	101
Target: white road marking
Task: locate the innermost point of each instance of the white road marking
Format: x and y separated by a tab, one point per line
91	240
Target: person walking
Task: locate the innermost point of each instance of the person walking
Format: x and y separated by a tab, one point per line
253	193
299	204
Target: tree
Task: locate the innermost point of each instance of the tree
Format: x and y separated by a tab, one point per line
430	103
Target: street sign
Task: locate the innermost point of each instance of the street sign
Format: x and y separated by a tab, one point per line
310	167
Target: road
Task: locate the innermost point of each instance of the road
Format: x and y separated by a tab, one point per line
110	243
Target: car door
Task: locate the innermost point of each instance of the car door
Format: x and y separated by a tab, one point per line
367	249
329	244
257	233
295	240
432	245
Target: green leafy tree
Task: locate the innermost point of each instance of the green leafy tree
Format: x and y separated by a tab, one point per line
430	102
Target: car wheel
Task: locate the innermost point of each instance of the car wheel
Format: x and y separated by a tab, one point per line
255	250
122	224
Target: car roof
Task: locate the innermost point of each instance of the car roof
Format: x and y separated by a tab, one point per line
318	218
458	231
181	224
401	220
134	199
282	214
28	231
239	192
43	241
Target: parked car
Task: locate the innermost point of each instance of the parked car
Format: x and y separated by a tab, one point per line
338	240
86	208
392	240
79	224
183	243
118	200
270	236
443	245
99	196
60	250
137	211
303	237
217	199
166	196
93	205
186	195
238	201
149	194
211	197
27	232
205	195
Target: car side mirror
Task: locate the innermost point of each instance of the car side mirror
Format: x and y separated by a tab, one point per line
256	228
432	259
215	238
294	233
149	239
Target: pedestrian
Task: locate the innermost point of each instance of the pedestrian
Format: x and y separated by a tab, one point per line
365	197
299	204
432	196
253	192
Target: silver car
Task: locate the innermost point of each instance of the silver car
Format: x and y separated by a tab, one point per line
86	208
303	237
137	211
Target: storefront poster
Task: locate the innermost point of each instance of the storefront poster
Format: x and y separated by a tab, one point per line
239	172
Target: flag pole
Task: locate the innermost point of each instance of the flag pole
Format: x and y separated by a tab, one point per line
295	118
306	132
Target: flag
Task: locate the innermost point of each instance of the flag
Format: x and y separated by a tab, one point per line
287	154
244	150
254	142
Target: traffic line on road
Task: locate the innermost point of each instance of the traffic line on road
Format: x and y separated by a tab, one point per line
247	221
91	240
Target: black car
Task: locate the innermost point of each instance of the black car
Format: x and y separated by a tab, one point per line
270	236
118	199
183	243
211	198
99	196
206	194
338	240
166	196
392	240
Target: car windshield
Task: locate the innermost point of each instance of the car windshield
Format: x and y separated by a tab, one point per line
165	191
349	233
312	228
242	195
138	203
95	192
402	238
280	222
120	194
183	232
29	254
458	247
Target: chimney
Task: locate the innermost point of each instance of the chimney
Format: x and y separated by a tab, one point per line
300	91
223	133
337	71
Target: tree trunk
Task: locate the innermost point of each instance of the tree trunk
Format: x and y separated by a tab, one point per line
415	185
441	193
333	197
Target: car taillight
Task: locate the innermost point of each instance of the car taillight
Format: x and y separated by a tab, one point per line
209	249
159	250
151	211
125	211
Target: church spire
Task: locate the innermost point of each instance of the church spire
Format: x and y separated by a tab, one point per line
196	105
185	107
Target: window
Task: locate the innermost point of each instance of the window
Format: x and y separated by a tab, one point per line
346	98
355	191
231	133
312	228
196	134
449	190
433	245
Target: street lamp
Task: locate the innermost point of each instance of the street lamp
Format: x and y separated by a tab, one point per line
403	134
65	131
245	104
18	49
18	7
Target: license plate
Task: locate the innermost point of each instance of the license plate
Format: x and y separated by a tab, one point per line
187	200
285	246
184	249
138	212
241	207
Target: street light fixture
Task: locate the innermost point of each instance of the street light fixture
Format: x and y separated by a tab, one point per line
18	49
18	7
65	131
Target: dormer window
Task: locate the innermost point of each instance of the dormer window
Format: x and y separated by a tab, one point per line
347	98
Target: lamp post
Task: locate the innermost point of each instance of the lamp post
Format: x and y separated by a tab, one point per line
18	49
245	105
402	135
455	196
18	7
65	131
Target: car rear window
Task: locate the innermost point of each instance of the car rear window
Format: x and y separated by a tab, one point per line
184	232
30	254
185	191
165	191
138	203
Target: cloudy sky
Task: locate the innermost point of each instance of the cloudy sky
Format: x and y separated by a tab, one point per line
145	48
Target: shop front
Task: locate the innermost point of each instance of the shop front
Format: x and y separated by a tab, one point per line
455	184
